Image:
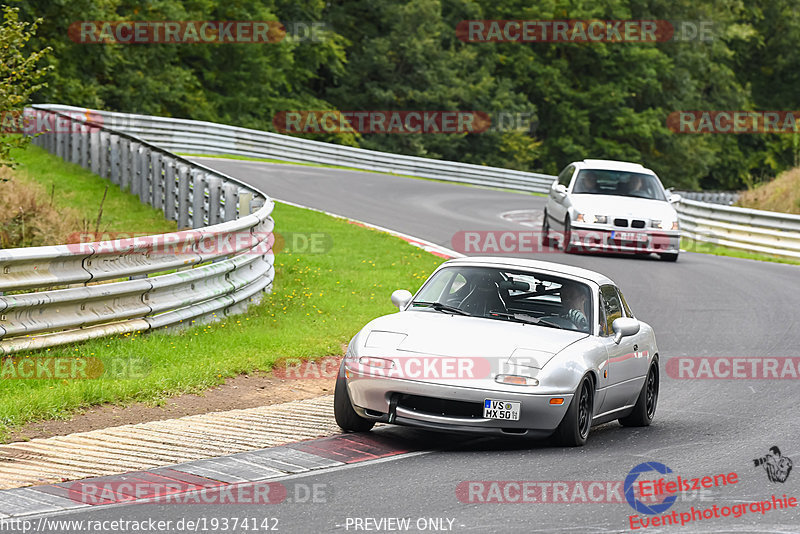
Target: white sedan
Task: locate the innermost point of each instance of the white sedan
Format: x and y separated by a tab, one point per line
612	206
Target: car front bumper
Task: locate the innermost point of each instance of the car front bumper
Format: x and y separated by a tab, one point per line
388	400
597	238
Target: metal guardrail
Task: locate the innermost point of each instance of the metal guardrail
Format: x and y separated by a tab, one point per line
741	228
200	137
218	269
726	198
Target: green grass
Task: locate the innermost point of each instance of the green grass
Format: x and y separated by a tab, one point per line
719	250
77	189
323	165
318	303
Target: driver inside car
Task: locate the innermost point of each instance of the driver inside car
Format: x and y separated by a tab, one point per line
575	303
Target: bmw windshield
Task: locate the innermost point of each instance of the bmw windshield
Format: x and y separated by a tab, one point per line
618	183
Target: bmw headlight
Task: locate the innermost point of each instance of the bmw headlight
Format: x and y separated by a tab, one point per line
655	223
601	219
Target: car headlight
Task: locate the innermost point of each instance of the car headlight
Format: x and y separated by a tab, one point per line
655	223
516	380
588	217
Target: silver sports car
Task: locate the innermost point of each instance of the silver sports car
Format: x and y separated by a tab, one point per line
612	206
503	346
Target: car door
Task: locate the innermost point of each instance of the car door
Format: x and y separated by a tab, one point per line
557	203
627	365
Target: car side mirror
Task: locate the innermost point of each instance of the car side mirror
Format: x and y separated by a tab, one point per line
674	198
560	189
623	327
401	298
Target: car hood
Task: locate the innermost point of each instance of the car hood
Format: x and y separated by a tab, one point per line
440	334
617	206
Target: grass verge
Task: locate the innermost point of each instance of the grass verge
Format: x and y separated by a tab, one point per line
78	191
719	250
318	303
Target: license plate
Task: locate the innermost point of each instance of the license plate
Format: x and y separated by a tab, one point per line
628	236
498	409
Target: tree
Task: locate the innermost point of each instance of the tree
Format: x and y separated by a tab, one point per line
20	76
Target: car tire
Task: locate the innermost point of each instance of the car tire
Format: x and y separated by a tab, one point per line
567	243
346	417
669	256
574	428
545	231
645	409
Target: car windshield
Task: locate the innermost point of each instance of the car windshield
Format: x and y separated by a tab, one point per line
508	295
618	183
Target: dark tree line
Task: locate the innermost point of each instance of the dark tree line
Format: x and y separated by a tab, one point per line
601	100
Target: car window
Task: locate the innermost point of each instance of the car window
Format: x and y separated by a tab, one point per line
618	183
612	307
458	283
510	295
628	312
566	175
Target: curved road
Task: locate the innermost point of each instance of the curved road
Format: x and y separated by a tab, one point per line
701	306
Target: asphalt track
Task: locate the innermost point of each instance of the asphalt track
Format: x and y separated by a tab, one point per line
700	306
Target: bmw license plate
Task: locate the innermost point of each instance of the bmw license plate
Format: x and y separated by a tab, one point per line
497	409
628	236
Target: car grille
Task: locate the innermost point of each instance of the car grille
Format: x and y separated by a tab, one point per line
635	223
446	407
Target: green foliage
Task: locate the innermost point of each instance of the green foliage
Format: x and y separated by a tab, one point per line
600	100
20	76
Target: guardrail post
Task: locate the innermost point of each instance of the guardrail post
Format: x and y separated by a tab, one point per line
214	199
145	175
63	126
136	167
94	150
170	187
76	134
198	198
84	146
124	163
183	197
113	159
104	154
157	177
245	201
59	142
230	196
